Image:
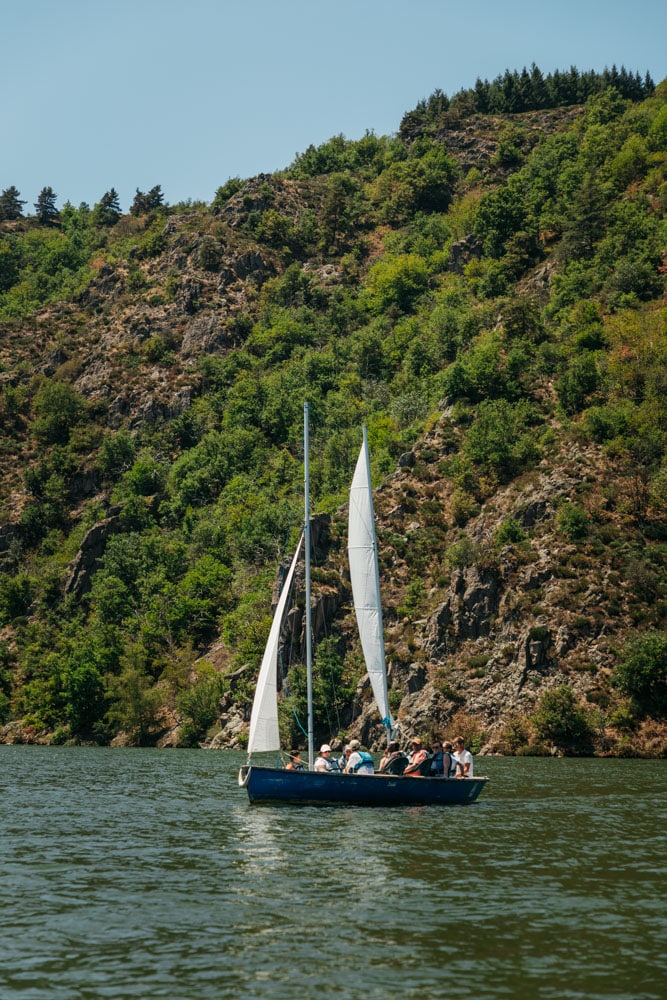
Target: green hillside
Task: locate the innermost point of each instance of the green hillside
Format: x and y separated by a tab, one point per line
485	291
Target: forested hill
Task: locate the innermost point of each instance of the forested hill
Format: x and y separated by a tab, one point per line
485	291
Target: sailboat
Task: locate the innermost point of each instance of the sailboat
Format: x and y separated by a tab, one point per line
308	787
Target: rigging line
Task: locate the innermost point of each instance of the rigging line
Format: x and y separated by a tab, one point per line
296	719
334	691
288	697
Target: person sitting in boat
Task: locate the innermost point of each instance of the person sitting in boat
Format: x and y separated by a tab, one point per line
295	762
394	760
437	768
360	761
463	759
324	761
344	757
417	759
450	766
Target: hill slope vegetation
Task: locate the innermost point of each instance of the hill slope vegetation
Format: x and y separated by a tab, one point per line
485	291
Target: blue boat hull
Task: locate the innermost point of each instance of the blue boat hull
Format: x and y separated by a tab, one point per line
274	785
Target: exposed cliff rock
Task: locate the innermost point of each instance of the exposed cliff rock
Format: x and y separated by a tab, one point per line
79	578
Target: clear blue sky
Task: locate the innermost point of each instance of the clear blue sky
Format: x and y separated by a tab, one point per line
186	93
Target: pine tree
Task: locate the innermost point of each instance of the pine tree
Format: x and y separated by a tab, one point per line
144	203
538	91
45	206
107	210
11	205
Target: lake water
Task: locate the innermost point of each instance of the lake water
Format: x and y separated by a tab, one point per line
145	874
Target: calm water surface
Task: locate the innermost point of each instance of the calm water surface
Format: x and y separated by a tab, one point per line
142	874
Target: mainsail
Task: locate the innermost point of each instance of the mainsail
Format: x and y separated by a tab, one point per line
264	718
365	576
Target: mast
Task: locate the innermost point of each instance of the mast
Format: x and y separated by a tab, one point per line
306	533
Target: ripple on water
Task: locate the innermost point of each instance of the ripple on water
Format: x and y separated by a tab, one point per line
144	873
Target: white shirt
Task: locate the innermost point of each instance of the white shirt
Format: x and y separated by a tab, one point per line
464	757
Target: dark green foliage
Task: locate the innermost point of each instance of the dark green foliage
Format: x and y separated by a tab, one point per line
83	694
586	222
200	707
135	702
578	383
145	202
603	423
572	521
332	691
16	596
210	253
45	206
58	407
338	155
146	477
340	211
328	158
484	372
11	204
514	92
501	438
501	214
422	183
116	455
508	532
10	263
107	210
642	672
561	721
226	190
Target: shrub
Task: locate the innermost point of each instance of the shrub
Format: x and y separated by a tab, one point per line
508	532
226	190
135	703
500	439
16	596
58	407
515	733
540	633
210	253
572	521
462	553
200	705
561	721
396	281
578	383
642	671
413	599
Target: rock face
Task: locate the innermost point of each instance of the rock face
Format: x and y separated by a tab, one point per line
462	252
82	567
471	604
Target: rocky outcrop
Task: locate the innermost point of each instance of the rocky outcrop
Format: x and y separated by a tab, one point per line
462	252
82	567
466	613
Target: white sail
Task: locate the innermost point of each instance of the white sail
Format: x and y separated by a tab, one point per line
264	718
365	576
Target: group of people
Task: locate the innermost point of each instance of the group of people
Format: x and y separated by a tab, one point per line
441	759
353	760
